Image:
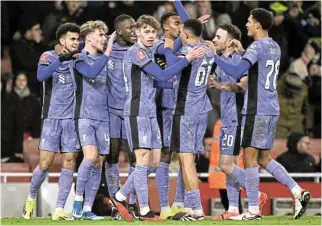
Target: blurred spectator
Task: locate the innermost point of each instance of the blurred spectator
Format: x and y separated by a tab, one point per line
240	17
293	100
297	159
26	51
71	11
313	82
278	33
210	27
312	51
11	122
166	7
295	30
192	10
30	105
313	21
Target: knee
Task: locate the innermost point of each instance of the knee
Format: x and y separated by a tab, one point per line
69	163
263	161
226	168
155	164
44	166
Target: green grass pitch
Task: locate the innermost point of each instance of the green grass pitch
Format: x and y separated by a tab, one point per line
271	220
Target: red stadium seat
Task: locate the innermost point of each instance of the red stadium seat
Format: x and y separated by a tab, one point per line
15	168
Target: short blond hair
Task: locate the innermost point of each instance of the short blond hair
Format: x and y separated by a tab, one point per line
91	26
145	20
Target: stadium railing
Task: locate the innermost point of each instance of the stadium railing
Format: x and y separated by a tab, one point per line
316	176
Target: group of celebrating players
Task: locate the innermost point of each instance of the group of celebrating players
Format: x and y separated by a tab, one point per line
151	94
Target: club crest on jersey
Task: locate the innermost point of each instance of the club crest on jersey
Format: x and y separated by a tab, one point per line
253	46
44	58
141	54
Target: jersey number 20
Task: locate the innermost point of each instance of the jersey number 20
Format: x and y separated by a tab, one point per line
203	72
274	70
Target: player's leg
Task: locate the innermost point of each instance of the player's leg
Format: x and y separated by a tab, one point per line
187	144
48	146
179	197
154	142
112	159
132	206
300	195
85	129
229	149
103	147
162	172
69	149
253	139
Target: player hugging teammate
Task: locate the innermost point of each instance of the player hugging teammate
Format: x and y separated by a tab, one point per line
105	94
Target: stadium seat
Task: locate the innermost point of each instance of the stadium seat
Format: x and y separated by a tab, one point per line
15	168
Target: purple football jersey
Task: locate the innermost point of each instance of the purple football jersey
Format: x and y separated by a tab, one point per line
91	94
58	97
231	103
168	95
261	97
115	80
139	85
192	98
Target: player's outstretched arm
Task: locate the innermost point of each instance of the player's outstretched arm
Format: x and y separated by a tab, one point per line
176	46
234	70
91	71
46	70
183	14
162	84
164	75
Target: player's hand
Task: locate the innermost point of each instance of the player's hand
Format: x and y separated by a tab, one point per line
212	82
168	43
204	18
211	45
68	56
110	44
238	47
162	63
196	53
59	49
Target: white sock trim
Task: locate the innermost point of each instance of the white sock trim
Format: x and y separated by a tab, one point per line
87	209
79	198
165	209
144	210
233	209
120	197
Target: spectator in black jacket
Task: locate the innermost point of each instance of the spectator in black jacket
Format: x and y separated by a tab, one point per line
11	122
30	105
297	159
26	51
